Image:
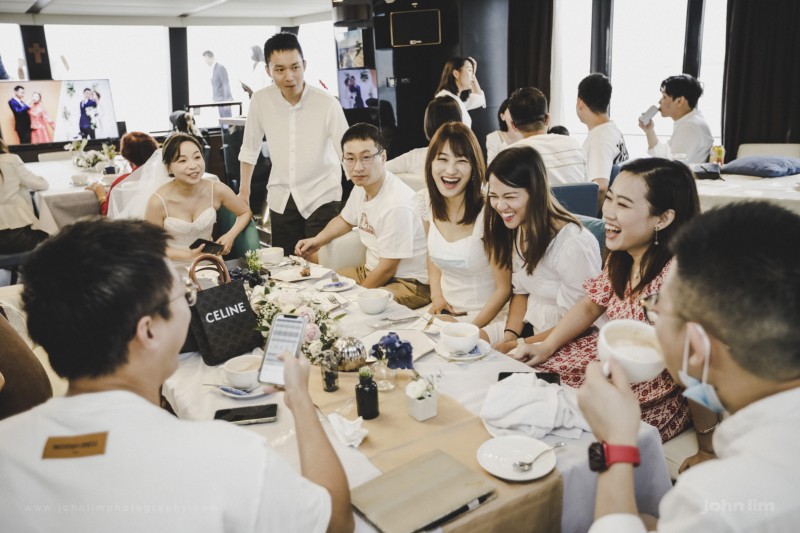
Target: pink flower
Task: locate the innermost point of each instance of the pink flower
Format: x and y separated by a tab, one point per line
312	332
308	313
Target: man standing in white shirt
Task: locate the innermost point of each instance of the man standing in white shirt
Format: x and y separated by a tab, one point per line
382	207
303	126
691	138
112	313
727	326
604	146
563	156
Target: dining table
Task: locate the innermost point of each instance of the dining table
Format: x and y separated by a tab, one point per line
562	500
783	191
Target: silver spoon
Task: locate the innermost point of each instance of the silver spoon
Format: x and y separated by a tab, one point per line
524	466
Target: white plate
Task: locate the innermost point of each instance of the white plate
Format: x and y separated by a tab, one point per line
497	457
293	274
347	284
421	343
483	349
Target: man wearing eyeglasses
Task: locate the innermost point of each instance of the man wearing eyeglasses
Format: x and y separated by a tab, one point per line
112	314
727	324
382	207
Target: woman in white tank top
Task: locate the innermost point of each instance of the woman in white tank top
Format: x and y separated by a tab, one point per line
462	278
187	205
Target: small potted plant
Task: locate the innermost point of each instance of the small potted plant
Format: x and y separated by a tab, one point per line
422	397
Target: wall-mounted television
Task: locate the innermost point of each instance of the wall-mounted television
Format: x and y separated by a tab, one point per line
46	111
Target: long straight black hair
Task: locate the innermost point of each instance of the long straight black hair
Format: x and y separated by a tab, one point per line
521	167
670	185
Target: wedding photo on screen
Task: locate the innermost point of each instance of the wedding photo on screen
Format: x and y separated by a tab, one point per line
356	86
45	111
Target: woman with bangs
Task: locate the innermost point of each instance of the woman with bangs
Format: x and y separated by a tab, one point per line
461	276
649	201
551	253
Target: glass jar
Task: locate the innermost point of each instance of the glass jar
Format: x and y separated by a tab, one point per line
329	366
366	395
385	377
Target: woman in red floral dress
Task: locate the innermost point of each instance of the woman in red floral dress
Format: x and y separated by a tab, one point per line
649	201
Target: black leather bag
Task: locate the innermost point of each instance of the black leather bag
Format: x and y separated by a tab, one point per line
223	323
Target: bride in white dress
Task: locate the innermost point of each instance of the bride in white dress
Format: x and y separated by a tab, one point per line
186	206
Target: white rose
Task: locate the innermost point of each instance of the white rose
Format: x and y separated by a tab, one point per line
417	389
314	347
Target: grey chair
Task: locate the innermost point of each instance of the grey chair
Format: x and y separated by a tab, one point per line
578	198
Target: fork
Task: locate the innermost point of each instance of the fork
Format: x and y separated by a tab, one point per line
334	300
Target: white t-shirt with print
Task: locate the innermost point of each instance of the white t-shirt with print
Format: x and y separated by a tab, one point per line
604	147
390	227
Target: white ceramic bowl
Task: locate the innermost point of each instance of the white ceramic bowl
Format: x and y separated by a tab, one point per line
460	337
635	347
271	256
374	301
242	371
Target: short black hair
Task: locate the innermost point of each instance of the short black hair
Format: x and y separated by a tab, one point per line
208	53
595	91
87	287
364	132
738	275
18	87
282	42
528	108
559	130
683	85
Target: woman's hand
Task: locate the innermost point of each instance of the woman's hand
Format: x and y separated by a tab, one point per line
227	243
696	459
533	354
438	305
505	346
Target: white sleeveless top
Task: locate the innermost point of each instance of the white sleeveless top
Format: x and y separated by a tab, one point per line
467	281
184	232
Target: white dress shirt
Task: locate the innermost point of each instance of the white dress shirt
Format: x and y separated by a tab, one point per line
304	143
690	136
754	485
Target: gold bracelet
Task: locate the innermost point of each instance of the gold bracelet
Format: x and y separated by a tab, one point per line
711	429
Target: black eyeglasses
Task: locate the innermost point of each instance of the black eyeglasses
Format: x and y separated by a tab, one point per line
648	305
366	160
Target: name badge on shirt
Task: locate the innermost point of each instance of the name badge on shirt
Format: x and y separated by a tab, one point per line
77	446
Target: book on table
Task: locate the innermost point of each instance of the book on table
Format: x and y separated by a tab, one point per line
426	492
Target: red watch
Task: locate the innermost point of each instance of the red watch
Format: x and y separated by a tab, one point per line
602	455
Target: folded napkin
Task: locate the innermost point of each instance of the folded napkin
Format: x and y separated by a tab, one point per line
349	432
524	405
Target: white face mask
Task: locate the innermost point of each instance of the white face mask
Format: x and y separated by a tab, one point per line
703	392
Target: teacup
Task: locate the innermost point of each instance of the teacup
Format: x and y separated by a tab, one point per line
271	256
460	337
634	346
79	179
242	371
374	301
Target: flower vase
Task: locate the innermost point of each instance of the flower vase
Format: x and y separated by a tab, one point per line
423	408
385	377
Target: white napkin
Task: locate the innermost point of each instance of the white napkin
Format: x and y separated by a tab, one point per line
521	404
349	432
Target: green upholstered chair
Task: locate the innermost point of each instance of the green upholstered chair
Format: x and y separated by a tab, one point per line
245	241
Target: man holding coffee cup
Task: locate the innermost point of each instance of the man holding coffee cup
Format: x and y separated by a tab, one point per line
727	325
382	207
112	313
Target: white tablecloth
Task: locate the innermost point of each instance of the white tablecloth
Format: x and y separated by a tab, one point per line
733	188
467	383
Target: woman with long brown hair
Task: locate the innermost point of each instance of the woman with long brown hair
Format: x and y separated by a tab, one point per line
459	82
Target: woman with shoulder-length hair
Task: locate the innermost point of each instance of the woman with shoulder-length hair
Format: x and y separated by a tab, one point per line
552	254
651	199
461	275
459	75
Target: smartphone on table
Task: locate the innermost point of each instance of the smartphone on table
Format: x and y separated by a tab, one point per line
550	377
285	335
252	414
211	247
